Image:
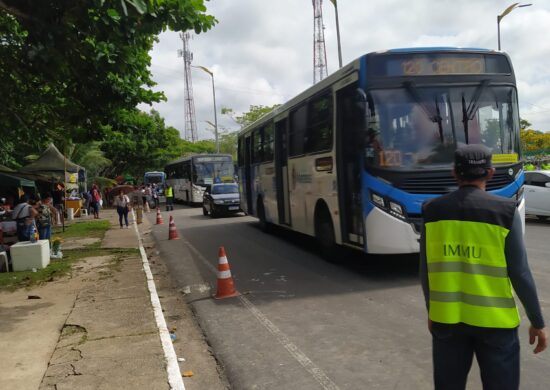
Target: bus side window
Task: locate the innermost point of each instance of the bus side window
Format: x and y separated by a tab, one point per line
268	142
240	153
257	145
319	131
297	131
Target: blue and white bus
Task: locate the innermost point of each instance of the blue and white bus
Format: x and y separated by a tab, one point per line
351	160
190	176
154	177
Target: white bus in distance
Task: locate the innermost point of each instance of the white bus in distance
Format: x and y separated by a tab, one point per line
190	176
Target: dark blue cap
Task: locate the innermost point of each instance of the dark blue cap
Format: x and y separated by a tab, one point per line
472	161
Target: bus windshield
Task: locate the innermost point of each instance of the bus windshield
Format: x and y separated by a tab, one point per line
210	172
420	127
153	178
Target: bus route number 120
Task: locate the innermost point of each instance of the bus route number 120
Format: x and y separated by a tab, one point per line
390	158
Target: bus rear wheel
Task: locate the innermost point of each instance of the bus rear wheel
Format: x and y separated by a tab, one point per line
324	234
264	225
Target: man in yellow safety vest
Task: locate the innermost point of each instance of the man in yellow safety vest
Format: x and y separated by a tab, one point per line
471	256
169	194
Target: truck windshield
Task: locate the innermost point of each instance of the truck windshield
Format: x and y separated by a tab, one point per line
418	127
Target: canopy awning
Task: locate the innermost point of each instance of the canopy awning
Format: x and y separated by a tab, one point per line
50	162
8	180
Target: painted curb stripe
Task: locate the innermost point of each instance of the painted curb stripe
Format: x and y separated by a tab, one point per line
172	367
318	374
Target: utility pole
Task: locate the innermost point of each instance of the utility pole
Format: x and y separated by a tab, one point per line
319	49
335	2
190	120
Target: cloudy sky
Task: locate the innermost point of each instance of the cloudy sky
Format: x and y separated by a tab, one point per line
261	51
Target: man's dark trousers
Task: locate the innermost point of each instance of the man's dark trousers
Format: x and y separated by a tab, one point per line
496	350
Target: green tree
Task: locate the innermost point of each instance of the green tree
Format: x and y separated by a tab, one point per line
138	142
228	141
535	142
524	124
251	116
68	66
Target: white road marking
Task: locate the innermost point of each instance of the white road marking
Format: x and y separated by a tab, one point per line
317	373
172	367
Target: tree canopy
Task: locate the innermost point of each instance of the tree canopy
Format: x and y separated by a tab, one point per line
70	69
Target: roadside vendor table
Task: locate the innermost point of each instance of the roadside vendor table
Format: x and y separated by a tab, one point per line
74	204
26	255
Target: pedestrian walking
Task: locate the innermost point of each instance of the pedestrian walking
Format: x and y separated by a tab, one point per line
23	214
46	217
95	201
155	194
169	194
122	204
471	255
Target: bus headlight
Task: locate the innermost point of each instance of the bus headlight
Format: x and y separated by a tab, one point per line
377	200
396	208
388	205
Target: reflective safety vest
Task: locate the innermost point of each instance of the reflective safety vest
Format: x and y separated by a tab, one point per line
169	192
467	270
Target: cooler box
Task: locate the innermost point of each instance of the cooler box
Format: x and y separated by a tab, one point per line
26	255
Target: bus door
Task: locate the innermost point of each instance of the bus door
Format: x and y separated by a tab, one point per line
349	119
281	172
248	176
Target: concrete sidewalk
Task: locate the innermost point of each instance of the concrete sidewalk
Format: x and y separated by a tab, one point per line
96	328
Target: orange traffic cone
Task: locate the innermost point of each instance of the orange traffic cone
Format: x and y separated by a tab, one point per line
226	288
172	230
159	217
147	209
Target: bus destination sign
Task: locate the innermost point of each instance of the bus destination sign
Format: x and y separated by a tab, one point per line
441	66
212	159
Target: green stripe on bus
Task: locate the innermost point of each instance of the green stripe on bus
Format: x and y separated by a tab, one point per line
469	268
477	300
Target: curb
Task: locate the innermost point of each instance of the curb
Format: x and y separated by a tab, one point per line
172	367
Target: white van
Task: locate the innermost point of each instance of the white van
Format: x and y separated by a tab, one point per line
537	193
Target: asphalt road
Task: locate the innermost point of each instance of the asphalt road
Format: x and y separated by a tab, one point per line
303	323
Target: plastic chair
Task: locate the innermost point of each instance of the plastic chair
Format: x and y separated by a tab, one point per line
4	255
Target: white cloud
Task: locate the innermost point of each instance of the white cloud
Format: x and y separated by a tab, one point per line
261	51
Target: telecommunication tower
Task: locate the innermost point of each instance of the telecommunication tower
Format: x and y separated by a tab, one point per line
189	109
319	49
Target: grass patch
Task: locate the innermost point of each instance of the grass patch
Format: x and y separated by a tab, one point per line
95	228
60	267
14	280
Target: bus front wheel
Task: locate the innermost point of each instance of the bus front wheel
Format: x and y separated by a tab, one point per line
324	233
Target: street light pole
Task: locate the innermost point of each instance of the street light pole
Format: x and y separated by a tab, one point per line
503	14
215	110
337	32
